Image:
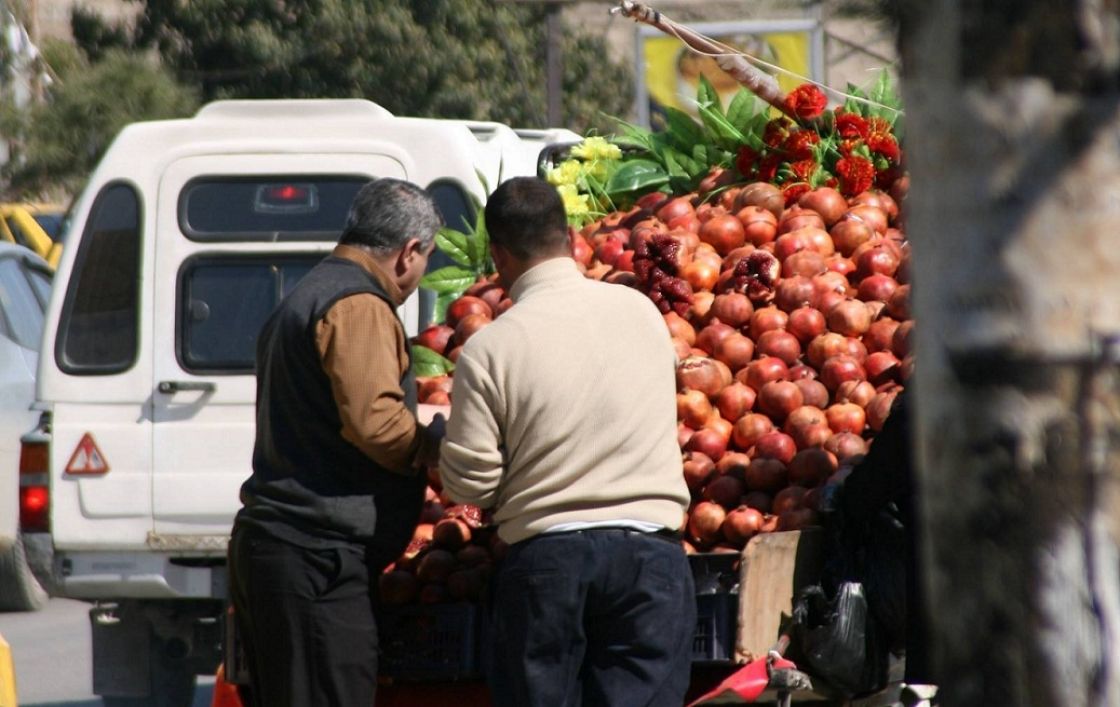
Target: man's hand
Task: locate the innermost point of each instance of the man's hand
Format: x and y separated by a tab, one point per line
433	434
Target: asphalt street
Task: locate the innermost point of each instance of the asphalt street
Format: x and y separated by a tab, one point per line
51	652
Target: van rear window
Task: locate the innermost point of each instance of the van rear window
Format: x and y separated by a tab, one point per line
223	303
99	329
304	208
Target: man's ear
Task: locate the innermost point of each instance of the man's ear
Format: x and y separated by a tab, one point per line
411	250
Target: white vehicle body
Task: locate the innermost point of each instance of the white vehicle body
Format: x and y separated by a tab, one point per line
145	378
25	285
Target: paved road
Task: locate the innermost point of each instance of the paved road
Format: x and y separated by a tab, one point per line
51	651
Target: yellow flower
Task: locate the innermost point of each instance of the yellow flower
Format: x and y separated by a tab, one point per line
596	148
575	204
566	173
598	170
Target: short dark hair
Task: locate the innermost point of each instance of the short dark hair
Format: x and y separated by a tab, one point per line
385	213
525	215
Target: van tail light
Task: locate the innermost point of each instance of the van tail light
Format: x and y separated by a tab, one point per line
34	487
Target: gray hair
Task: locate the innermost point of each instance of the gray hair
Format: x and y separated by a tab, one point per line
387	212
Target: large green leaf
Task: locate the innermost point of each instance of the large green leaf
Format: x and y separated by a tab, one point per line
455	245
742	110
636	174
684	132
453	278
723	133
707	96
428	363
692	167
479	246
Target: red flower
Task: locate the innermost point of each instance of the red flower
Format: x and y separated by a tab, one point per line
856	174
803	169
793	191
885	178
885	145
806	101
799	144
744	161
769	167
851	125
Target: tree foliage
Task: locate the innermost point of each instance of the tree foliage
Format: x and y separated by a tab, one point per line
62	139
472	59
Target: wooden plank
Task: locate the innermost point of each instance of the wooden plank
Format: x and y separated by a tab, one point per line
772	568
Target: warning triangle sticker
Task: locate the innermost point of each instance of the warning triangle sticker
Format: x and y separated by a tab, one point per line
87	458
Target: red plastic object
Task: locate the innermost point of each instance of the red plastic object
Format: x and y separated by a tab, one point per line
467	693
749	682
225	694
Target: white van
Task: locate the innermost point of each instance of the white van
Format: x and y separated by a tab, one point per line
187	235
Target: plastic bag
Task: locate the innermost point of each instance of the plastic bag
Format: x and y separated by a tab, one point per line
835	638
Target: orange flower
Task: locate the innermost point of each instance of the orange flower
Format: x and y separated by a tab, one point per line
777	131
806	101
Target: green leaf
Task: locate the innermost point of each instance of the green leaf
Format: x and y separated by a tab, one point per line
455	245
428	363
742	110
692	167
707	96
635	175
724	133
478	246
443	301
452	278
632	135
683	130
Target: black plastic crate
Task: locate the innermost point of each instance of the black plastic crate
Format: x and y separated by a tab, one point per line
430	642
717	617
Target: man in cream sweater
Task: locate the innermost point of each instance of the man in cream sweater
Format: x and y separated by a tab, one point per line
564	423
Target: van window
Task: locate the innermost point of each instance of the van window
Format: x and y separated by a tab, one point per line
224	302
306	208
99	329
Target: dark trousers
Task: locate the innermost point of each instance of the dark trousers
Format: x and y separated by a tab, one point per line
594	617
306	622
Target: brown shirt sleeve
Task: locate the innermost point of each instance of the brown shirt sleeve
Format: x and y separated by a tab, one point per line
365	353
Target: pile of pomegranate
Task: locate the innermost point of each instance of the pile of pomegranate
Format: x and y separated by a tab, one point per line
792	328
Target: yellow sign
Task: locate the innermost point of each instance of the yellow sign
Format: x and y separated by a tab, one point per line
672	70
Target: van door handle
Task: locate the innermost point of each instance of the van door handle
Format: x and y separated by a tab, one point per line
172	387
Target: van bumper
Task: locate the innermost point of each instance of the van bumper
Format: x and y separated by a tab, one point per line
132	575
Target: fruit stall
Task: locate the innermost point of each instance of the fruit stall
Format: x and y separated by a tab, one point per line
771	239
769	232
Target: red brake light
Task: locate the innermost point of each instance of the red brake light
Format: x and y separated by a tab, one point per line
286	198
34	508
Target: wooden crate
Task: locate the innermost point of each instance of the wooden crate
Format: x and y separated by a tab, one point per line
772	568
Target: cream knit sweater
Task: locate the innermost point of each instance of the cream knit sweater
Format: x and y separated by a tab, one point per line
565	411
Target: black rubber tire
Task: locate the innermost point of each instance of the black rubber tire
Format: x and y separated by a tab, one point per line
19	589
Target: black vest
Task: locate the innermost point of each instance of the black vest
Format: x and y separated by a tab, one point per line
309	486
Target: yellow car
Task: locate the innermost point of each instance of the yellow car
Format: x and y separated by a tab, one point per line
35	226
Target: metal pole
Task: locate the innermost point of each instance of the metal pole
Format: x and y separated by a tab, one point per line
554	67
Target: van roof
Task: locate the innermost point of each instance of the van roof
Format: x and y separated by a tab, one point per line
495	150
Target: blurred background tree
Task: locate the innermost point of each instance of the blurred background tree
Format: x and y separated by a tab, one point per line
471	59
61	139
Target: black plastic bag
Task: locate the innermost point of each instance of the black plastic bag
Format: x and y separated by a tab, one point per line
835	639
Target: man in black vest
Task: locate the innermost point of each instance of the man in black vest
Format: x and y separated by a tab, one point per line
337	480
